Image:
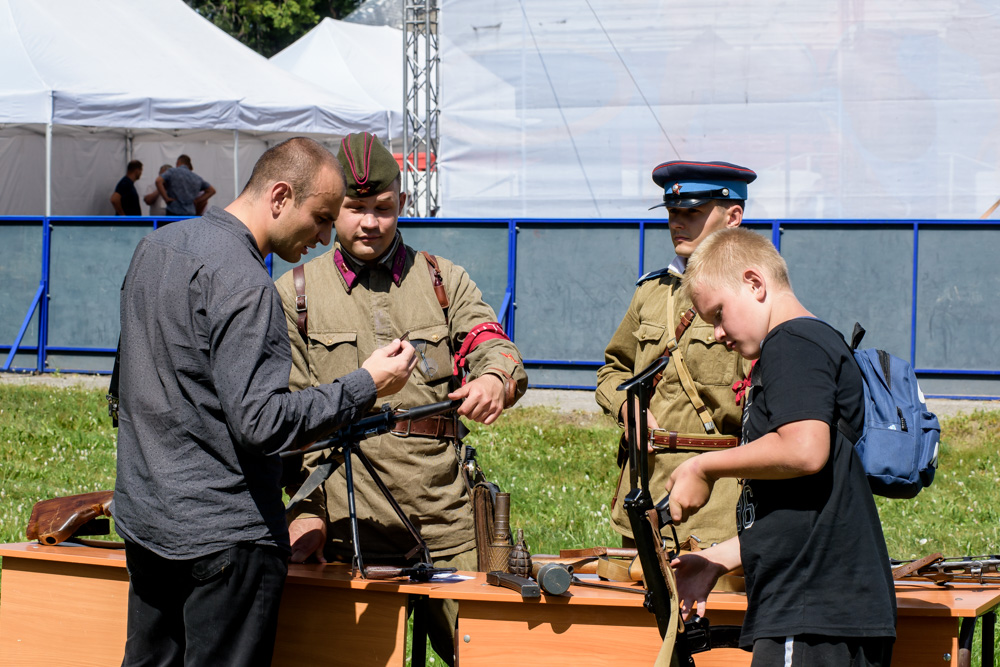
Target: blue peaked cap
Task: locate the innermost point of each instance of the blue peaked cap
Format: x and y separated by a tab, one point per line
688	184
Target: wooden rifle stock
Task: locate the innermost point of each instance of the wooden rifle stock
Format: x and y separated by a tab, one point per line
58	519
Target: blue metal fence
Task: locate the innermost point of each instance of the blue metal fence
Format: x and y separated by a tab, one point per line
925	289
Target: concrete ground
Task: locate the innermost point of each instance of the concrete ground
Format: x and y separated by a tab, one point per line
560	399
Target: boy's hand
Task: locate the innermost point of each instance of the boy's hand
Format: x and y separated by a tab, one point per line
483	398
689	488
390	366
698	572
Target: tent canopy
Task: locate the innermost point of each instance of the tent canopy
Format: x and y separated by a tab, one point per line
845	109
362	63
112	80
151	64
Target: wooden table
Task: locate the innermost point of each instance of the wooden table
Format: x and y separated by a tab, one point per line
67	605
599	627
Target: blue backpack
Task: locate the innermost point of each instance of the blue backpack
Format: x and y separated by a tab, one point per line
899	444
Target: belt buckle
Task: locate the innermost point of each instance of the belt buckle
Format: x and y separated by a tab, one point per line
301	302
402	434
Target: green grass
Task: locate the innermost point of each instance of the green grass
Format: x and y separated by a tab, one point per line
559	468
53	442
560	471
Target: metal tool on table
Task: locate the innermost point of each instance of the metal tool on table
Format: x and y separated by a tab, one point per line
526	587
419	572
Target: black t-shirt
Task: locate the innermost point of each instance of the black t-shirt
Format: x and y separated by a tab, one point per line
130	198
812	547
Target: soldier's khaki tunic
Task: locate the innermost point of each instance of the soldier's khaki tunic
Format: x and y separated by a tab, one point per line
344	328
639	340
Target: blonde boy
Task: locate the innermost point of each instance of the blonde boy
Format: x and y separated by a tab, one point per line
808	529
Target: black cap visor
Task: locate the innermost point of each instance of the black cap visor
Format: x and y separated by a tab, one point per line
683	202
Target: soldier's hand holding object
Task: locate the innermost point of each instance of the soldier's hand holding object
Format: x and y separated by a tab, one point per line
390	366
484	398
308	536
650	423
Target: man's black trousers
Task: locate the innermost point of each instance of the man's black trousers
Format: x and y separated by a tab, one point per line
220	609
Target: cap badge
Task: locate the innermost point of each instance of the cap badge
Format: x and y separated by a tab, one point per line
677	188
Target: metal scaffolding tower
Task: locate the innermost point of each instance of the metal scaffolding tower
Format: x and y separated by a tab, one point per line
421	84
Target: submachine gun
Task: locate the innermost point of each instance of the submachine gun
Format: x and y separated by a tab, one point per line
346	442
646	520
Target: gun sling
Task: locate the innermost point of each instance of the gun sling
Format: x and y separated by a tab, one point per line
433	427
663	439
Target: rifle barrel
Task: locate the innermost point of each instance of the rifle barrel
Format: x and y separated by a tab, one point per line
377	424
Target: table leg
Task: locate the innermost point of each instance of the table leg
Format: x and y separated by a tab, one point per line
965	635
418	651
989	623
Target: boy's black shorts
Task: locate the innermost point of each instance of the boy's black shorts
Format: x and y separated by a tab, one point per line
821	651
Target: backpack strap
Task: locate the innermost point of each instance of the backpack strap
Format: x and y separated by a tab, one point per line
848	432
856	336
301	302
437	281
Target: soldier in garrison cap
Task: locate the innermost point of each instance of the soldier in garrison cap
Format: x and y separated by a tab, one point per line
368	290
695	406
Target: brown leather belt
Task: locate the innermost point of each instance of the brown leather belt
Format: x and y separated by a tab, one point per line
432	427
673	441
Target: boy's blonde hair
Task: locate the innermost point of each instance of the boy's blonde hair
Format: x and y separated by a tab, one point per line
722	258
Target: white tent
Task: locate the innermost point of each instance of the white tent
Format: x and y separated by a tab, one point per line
882	108
361	63
87	85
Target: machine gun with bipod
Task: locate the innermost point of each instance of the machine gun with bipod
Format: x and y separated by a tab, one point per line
346	441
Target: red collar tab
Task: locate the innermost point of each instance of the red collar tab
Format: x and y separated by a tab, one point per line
398	262
350	277
741	386
479	334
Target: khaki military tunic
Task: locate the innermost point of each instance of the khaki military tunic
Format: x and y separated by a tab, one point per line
640	339
344	327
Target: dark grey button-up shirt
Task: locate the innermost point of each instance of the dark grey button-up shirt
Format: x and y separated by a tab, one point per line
205	405
183	185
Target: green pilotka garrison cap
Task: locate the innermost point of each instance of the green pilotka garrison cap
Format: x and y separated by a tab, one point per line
368	165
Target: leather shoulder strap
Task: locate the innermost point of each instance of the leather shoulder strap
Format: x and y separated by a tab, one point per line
301	303
683	374
437	281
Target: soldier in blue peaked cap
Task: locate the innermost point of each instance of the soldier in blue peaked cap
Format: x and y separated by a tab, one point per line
690	184
693	408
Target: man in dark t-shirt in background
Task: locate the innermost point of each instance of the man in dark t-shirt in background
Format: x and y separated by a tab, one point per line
809	530
125	199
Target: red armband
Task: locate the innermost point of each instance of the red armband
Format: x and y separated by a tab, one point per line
479	334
